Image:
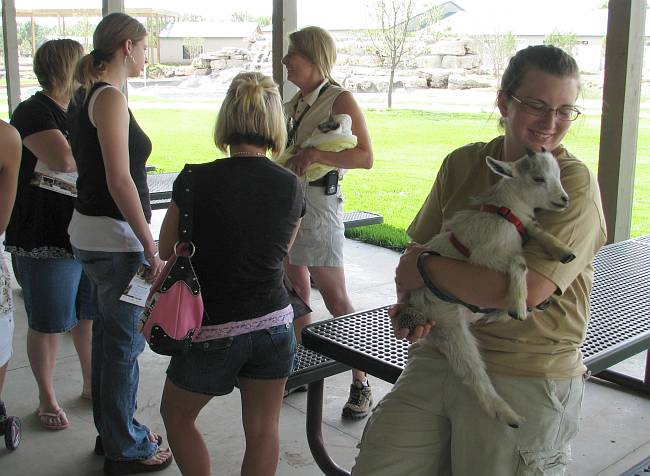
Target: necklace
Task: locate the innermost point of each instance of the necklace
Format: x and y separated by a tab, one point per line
244	153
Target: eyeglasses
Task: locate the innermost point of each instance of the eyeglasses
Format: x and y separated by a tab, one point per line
540	108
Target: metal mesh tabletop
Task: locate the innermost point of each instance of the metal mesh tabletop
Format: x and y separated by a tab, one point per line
312	366
619	326
361	218
160	185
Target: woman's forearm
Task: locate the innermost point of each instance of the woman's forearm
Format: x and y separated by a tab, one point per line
52	148
357	158
481	286
469	283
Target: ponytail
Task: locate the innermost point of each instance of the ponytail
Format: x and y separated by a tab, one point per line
251	113
109	36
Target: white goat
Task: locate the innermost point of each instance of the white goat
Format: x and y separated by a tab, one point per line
491	237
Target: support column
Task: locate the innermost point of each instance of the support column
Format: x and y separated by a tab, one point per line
284	20
10	38
112	6
620	117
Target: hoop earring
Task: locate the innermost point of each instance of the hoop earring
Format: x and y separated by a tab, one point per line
129	57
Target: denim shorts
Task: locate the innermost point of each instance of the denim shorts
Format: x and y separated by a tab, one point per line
56	293
214	367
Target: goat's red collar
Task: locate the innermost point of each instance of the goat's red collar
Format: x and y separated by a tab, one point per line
462	249
502	212
508	215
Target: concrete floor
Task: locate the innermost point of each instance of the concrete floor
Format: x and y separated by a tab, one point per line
614	436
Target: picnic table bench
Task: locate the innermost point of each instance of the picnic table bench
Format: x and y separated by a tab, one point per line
619	328
160	194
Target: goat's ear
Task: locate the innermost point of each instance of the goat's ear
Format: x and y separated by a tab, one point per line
499	167
530	152
543	149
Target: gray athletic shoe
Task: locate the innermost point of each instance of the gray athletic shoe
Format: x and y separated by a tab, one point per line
359	402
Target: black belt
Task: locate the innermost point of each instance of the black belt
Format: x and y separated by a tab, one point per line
318	183
329	181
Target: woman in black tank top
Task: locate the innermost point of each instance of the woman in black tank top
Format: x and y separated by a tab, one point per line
110	235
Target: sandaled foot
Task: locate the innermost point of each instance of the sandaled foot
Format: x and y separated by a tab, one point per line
57	420
161	460
86	394
99	445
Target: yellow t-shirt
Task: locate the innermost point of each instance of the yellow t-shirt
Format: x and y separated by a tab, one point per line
547	344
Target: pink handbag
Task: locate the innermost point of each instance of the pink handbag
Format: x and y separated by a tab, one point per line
174	308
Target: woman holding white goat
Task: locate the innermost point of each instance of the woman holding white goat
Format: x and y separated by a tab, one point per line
318	249
535	364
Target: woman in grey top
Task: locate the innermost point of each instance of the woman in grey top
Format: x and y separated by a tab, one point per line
318	249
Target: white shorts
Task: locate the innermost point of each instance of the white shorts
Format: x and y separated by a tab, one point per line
320	239
6	336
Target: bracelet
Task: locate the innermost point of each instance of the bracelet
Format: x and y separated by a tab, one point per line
423	272
438	293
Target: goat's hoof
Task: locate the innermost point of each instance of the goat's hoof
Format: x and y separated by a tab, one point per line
410	318
507	415
567	258
518	315
543	305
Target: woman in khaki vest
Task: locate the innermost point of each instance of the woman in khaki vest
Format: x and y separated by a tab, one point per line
318	249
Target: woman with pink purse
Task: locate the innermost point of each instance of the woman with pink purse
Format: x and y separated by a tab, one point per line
245	214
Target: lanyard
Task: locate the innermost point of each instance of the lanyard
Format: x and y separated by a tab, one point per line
295	123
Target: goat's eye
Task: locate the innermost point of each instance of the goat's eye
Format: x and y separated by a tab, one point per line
539	179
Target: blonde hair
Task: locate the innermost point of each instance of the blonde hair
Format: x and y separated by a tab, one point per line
54	64
251	113
318	46
109	36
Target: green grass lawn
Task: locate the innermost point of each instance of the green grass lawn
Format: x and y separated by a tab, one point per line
409	147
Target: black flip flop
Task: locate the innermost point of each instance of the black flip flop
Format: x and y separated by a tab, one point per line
99	446
134	467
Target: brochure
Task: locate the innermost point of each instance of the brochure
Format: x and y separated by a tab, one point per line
60	182
138	289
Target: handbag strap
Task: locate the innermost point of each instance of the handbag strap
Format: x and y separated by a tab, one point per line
186	207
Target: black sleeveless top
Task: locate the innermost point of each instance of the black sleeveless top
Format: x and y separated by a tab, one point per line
244	212
93	197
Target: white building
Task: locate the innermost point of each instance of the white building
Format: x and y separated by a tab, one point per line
178	39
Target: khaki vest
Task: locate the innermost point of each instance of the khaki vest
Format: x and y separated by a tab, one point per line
319	112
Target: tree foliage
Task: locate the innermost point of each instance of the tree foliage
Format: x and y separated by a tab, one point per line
28	42
389	42
564	41
498	49
244	16
192	47
393	40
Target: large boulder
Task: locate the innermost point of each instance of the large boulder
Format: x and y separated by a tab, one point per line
435	78
457	81
431	61
449	47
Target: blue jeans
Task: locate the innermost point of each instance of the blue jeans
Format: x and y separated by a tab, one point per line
117	343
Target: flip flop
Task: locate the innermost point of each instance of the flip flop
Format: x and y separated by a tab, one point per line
99	445
53	421
133	467
87	395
